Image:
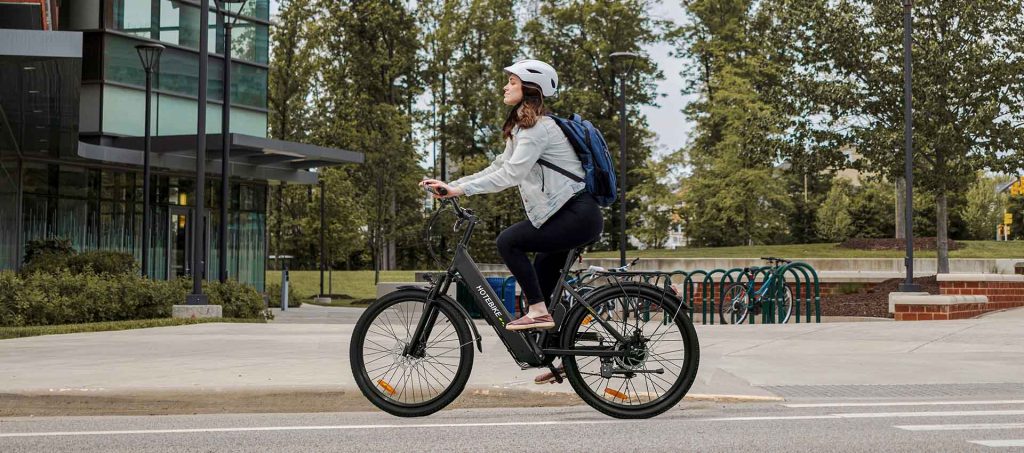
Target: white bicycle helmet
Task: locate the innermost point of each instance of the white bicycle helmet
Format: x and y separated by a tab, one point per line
536	72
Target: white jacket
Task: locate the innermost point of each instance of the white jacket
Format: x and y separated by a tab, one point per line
542	189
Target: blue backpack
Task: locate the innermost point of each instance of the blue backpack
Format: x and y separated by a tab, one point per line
592	150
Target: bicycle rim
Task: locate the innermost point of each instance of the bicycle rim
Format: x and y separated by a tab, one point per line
404	380
666	350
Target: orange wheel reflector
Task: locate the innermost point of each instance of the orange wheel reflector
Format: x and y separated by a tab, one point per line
589	319
616	393
387	387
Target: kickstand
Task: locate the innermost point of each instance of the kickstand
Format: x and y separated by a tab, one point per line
554	371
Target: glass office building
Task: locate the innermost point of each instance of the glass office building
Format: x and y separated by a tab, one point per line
71	120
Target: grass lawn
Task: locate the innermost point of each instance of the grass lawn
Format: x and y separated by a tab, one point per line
32	331
355	284
969	249
358	285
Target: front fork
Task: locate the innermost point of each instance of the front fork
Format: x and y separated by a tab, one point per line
418	346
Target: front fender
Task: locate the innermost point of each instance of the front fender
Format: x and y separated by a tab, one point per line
445	299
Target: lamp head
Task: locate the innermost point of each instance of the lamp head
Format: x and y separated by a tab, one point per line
149	54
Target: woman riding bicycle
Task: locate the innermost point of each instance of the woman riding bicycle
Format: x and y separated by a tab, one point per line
562	214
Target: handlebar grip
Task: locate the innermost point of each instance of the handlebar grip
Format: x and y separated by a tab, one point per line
440	190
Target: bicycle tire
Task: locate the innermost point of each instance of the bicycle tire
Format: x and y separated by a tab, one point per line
735	303
386	392
785	307
677	388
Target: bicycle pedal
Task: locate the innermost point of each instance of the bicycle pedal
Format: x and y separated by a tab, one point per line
554	371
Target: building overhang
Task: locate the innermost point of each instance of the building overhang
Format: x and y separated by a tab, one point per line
251	157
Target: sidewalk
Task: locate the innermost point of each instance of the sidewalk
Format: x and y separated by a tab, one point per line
748	361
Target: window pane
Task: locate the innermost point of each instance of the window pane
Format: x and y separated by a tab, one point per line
135	17
8	208
249	41
74	182
73	223
248	85
35	217
259	9
37	178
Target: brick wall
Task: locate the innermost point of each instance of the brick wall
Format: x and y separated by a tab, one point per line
1001	294
1001	291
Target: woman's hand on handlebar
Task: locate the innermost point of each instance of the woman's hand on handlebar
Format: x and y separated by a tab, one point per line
441	190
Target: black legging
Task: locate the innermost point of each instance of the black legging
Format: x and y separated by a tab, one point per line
577	223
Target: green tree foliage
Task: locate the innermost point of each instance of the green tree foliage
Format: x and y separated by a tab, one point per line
466	45
577	37
832	221
967	87
984	207
734	195
291	72
871	210
657	204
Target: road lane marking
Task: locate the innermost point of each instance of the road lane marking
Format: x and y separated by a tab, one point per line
905	403
959	427
839	416
303	428
870	415
999	443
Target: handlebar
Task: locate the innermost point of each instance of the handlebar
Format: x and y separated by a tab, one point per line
772	259
463	214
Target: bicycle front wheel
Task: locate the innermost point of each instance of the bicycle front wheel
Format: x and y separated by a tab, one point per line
661	351
402	381
735	305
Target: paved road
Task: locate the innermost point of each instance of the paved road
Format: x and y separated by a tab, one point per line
888	425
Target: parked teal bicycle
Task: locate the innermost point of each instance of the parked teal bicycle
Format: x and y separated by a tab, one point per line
743	298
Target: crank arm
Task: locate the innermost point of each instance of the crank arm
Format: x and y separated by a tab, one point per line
625	371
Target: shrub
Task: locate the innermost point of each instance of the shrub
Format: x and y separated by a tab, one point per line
95	261
63	297
56	246
103	262
46	262
237	300
274	293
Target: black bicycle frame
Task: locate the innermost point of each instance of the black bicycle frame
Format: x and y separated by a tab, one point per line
521	347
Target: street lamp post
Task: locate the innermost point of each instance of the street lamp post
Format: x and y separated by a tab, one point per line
225	150
199	219
628	57
908	149
149	54
323	225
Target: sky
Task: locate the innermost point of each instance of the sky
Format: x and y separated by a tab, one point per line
666	121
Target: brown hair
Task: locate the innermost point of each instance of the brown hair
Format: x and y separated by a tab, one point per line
527	111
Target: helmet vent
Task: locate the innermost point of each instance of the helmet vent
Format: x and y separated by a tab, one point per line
533	71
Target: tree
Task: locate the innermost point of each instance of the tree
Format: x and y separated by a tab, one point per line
870	210
657	204
984	207
833	222
577	37
967	88
467	43
291	71
367	58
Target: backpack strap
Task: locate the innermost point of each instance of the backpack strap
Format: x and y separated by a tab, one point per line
561	170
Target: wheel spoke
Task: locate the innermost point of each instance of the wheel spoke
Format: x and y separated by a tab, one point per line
408	379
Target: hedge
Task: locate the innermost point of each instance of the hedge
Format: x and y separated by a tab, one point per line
65	297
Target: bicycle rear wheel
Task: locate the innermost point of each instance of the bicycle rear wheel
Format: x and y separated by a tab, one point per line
735	305
662	352
400	381
784	307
